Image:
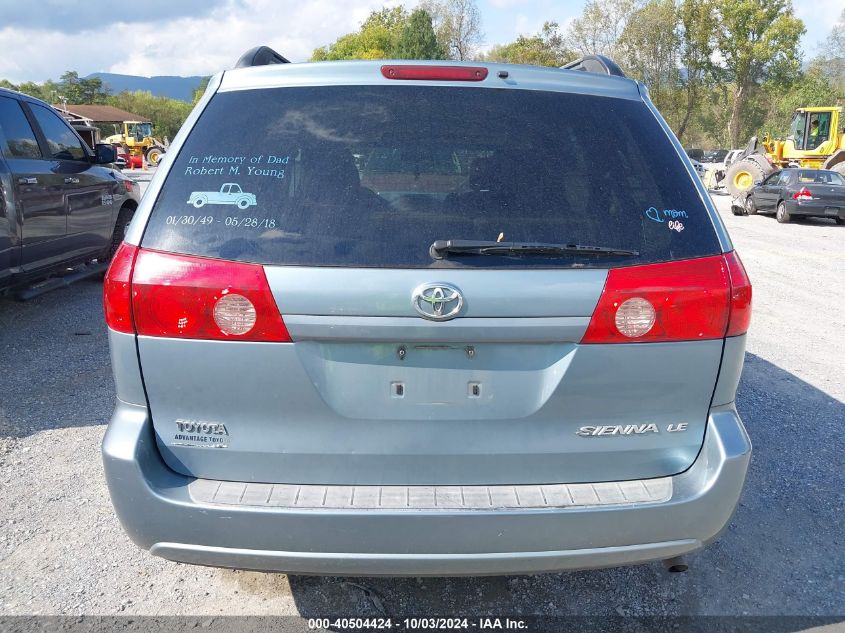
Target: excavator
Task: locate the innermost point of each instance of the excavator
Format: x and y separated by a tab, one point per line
816	140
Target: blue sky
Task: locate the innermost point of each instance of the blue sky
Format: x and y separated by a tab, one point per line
505	19
199	37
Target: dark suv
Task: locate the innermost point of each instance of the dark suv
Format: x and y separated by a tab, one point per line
60	203
474	319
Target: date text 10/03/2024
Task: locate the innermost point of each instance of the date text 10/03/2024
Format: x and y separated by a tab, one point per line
418	624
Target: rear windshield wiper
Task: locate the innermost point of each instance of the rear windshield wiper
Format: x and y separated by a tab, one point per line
441	248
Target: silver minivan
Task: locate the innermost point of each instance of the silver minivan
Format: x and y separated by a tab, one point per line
476	319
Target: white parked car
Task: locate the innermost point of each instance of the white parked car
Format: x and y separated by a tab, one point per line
732	156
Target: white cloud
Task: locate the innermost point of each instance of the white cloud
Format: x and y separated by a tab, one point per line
525	25
182	46
39	55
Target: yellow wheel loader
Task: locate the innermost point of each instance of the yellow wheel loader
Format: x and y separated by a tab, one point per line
816	140
138	138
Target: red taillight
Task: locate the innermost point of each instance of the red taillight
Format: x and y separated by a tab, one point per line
192	297
435	73
676	301
117	295
803	194
740	317
128	185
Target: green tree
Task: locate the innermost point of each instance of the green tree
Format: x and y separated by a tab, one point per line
831	63
543	49
199	91
417	39
167	115
77	90
34	90
757	41
458	26
599	27
376	39
648	48
697	39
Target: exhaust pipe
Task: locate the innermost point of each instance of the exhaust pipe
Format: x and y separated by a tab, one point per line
676	564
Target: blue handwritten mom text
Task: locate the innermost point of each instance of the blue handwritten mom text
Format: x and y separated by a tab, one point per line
660	216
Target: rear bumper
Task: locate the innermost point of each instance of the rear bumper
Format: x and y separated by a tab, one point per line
159	512
815	209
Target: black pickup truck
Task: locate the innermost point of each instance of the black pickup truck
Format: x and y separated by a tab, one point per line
61	203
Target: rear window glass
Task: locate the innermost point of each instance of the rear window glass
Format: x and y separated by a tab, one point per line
826	177
371	175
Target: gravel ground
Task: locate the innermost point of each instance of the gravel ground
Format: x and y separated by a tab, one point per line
62	550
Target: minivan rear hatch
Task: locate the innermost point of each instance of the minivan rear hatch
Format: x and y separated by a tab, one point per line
401	367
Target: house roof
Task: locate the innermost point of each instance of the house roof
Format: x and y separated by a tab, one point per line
97	113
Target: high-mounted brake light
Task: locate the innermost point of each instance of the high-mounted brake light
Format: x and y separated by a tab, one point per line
803	194
190	297
434	73
686	300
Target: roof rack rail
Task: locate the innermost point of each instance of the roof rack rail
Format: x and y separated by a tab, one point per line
260	56
595	64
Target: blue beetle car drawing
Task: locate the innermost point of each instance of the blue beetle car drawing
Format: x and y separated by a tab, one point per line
230	193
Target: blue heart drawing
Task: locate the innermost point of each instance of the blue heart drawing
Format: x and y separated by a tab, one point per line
653	214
